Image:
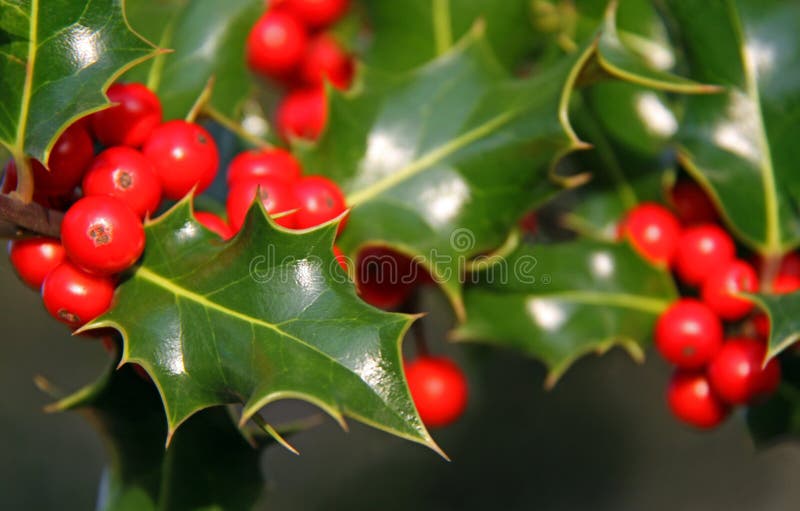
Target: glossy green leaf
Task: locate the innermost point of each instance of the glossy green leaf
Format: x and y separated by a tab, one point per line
266	316
55	60
208	40
740	144
776	419
558	302
783	312
440	163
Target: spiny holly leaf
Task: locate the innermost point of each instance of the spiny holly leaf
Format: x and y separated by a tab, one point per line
208	465
779	417
558	302
55	60
739	143
412	32
208	39
266	316
783	312
441	162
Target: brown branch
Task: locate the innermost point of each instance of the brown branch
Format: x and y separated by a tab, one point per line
32	216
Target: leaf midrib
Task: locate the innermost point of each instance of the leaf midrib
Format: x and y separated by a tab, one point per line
621	300
27	87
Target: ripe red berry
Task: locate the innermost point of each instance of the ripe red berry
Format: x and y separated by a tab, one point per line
384	278
325	60
319	200
785	283
34	258
184	156
102	235
303	113
137	113
276	44
74	297
688	334
69	159
721	284
702	249
653	231
126	174
340	258
316	13
692	400
271	162
439	389
275	194
691	203
736	374
214	224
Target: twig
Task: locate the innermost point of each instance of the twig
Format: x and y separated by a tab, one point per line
32	216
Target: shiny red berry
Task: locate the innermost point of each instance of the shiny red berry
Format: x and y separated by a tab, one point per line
439	389
691	203
326	60
74	297
70	157
692	400
126	174
214	224
702	249
270	162
137	113
184	156
653	231
276	44
34	258
785	283
736	373
303	114
316	13
275	194
688	334
102	235
721	284
319	200
384	278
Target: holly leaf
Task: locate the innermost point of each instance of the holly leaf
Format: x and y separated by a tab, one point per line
441	162
781	310
208	464
558	302
738	143
55	61
208	40
266	316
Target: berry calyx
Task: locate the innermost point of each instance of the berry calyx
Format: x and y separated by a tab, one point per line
722	284
319	200
702	249
691	203
691	399
34	258
184	156
102	235
69	159
688	334
438	388
736	373
653	231
271	162
125	173
303	114
137	113
74	297
325	60
275	194
276	44
316	13
214	224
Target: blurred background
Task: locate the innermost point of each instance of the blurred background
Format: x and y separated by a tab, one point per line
601	440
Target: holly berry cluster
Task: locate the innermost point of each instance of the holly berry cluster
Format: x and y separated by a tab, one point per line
290	44
711	334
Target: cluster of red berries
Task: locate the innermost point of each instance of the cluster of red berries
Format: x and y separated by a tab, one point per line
711	335
289	44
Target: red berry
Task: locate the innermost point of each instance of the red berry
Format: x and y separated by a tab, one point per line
702	249
271	162
761	325
303	113
276	44
326	60
102	235
317	13
74	297
691	203
789	264
34	258
529	223
69	159
721	284
785	283
692	400
736	374
276	196
319	200
340	258
384	278
126	174
130	122
184	156
653	231
688	334
439	389
214	224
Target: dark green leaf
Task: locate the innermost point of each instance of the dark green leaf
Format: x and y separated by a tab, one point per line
783	312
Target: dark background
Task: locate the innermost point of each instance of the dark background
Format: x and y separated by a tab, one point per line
602	440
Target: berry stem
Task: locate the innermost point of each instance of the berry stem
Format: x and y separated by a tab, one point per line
236	128
30	216
24	191
202	100
769	271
